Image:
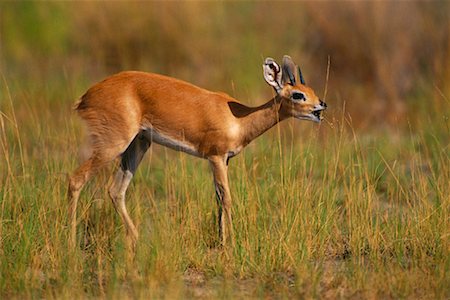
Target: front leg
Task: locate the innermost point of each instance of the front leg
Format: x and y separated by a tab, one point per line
220	172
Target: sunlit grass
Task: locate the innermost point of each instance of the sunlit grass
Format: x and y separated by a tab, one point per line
318	211
357	207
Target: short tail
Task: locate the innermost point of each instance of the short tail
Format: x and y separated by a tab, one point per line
80	103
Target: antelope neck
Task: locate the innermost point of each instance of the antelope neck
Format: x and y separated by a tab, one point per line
258	120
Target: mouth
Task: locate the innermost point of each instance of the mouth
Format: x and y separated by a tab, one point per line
314	115
317	114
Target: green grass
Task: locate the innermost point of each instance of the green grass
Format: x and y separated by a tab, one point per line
319	211
353	208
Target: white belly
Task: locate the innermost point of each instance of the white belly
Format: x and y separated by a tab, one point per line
165	140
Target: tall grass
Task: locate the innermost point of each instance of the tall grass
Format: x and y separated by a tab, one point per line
318	211
357	207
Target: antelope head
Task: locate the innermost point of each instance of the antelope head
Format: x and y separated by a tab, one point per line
297	99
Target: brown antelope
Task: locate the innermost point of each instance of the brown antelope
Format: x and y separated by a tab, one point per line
128	111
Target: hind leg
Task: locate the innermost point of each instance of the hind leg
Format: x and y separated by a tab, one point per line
101	155
76	183
131	159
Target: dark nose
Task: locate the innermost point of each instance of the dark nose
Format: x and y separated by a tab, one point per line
323	103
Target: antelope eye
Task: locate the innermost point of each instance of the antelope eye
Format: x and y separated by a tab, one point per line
298	96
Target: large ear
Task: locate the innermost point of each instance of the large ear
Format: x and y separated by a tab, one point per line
288	70
273	74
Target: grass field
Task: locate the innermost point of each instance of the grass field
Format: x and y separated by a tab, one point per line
356	207
319	211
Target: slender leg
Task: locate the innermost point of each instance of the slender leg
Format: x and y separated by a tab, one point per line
117	193
130	161
76	183
220	173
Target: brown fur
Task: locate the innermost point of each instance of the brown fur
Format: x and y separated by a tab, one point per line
215	125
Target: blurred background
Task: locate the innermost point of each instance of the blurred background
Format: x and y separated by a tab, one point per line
389	60
356	207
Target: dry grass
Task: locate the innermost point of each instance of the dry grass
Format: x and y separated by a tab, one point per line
336	214
353	208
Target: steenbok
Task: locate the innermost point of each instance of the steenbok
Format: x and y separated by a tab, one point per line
128	111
